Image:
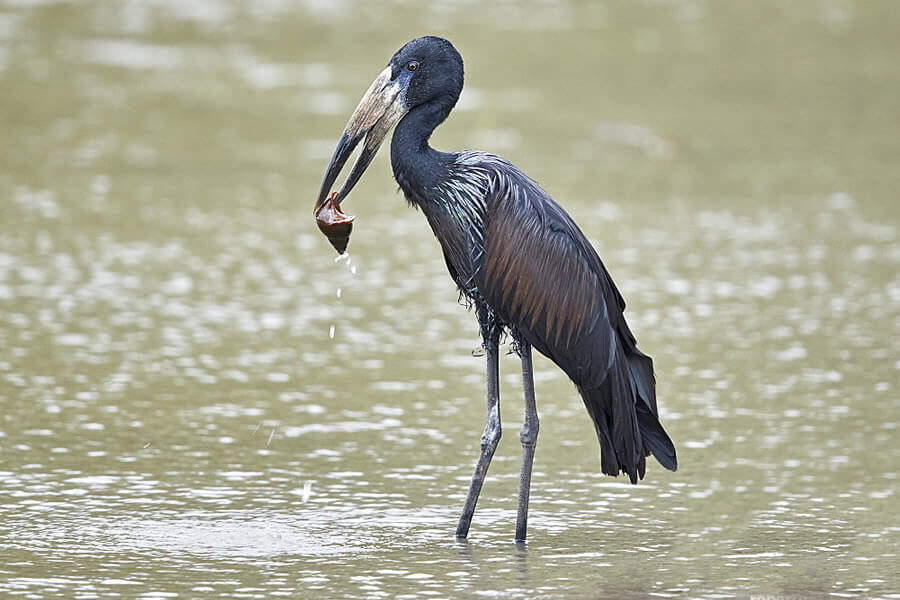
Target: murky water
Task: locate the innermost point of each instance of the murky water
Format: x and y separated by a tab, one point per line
198	401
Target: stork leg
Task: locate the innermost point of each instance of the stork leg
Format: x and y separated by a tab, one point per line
492	429
528	436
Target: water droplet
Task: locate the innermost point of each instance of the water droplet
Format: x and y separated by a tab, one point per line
338	294
331	332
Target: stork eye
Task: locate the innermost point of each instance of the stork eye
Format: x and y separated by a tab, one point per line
413	65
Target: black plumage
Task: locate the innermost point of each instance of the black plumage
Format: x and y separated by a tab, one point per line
519	258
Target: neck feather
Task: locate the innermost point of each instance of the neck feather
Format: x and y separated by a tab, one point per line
417	166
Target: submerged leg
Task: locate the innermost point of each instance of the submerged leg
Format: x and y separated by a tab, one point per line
528	435
492	429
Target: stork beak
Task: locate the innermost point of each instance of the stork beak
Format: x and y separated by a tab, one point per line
382	106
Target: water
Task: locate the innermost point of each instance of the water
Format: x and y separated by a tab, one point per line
197	401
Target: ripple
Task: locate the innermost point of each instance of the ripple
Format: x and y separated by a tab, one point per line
198	402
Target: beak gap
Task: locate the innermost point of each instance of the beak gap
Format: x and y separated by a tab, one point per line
380	108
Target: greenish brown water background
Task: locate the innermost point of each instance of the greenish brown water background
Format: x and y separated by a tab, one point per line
179	419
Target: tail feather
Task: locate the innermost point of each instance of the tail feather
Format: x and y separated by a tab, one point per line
641	368
623	409
611	406
656	440
609	464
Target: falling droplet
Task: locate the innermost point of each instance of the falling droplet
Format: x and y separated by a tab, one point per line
307	491
271	435
353	269
331	332
338	292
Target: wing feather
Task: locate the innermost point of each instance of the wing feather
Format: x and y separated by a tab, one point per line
543	277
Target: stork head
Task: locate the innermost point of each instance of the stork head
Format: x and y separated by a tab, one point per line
426	69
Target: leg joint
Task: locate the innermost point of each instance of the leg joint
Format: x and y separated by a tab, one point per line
492	434
529	432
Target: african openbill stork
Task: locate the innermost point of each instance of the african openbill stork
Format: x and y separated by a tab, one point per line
520	260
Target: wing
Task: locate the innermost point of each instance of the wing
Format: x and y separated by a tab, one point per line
541	275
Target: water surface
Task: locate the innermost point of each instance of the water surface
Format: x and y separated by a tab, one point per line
197	401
